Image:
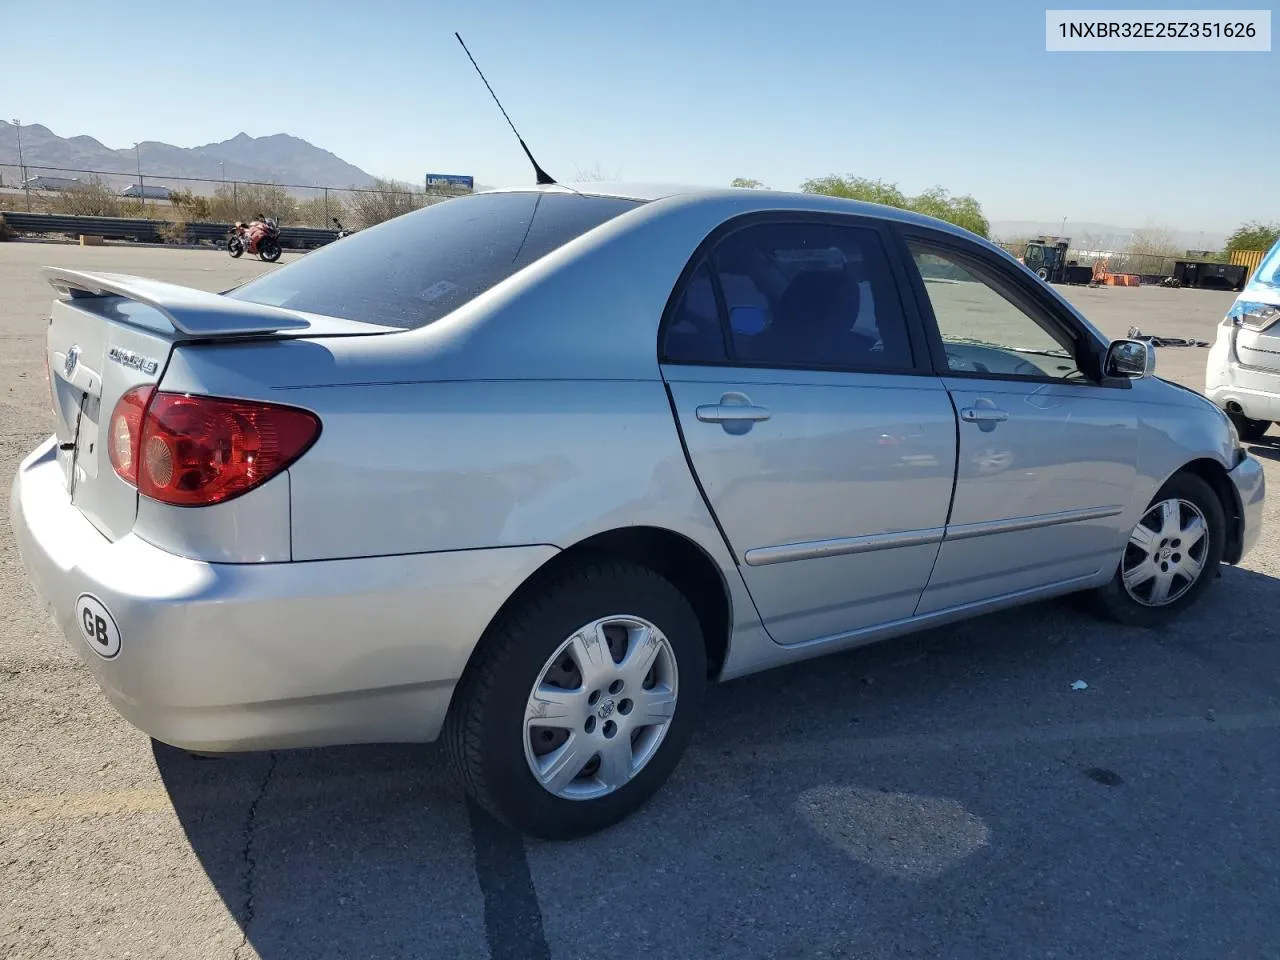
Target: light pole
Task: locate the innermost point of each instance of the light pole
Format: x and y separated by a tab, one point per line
1064	227
142	192
22	167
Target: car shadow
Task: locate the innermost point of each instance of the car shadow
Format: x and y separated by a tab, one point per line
369	850
1268	447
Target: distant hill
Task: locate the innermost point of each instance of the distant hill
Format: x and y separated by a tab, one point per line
278	158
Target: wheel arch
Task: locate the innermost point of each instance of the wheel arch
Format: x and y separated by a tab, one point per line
672	555
1214	474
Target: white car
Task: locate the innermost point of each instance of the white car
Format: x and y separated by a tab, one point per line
1243	372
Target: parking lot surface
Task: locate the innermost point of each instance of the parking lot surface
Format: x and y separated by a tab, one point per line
946	795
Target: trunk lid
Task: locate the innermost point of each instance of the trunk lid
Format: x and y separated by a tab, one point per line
108	334
97	350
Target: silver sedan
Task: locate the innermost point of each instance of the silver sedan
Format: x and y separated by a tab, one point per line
527	470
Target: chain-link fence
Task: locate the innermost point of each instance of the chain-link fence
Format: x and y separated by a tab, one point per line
42	189
1152	267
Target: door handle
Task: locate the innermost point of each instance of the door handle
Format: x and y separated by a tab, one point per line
731	413
983	415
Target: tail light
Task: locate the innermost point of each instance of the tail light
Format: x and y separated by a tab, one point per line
195	451
1255	316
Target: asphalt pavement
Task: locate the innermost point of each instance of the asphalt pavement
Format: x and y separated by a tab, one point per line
945	795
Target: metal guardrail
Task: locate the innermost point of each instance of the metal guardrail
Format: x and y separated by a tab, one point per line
149	231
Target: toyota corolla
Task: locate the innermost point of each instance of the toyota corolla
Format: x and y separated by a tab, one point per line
526	470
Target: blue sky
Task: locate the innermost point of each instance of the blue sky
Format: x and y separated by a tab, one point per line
958	94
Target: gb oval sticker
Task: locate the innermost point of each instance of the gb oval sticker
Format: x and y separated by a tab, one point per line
99	629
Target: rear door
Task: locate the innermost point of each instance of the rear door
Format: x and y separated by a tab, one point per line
824	446
1048	453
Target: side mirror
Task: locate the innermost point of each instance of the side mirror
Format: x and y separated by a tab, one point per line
1130	358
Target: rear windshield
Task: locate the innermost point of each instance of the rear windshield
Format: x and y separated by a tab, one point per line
415	269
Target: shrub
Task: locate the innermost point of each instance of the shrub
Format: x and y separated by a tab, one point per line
383	201
92	198
190	206
244	201
317	213
175	232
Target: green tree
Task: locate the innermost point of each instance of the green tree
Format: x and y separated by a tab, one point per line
746	183
963	211
857	188
1254	235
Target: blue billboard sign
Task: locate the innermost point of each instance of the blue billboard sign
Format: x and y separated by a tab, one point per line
450	180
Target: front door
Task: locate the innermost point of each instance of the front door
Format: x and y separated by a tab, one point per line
1047	455
822	443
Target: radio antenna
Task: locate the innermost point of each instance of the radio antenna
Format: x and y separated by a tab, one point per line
543	178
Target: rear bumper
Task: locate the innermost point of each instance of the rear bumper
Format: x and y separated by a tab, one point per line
1229	383
1251	487
223	657
1258	396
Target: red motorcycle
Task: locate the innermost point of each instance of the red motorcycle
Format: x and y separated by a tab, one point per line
262	237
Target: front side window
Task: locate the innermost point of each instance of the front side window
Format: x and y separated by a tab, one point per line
817	295
415	269
983	331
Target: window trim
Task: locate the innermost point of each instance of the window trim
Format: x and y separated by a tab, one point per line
917	337
1089	352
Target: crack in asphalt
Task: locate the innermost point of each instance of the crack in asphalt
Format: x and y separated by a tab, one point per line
512	916
246	856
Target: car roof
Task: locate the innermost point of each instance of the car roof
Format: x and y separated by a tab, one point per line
748	199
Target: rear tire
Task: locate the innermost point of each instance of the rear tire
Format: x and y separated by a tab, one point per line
1251	431
1181	531
492	735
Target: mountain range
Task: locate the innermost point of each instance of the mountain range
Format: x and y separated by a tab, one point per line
279	158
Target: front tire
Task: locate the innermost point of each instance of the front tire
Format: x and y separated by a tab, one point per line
269	250
1172	555
235	247
580	701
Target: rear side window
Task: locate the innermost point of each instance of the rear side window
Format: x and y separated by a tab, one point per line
694	332
415	269
794	295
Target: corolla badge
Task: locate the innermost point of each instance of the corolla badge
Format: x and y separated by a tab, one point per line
147	365
73	357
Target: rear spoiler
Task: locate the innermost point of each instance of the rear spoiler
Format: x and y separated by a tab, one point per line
197	313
